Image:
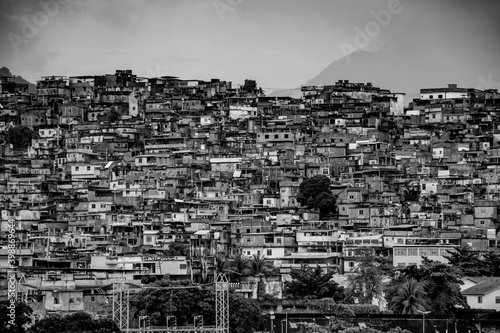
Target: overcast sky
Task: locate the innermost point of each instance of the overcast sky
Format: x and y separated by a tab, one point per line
279	43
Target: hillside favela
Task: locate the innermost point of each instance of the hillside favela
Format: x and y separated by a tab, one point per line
166	204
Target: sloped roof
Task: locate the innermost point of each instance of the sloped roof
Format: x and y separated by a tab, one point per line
482	288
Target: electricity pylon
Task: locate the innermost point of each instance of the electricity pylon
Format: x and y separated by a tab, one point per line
222	304
121	307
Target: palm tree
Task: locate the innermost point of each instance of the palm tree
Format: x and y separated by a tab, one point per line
240	265
259	265
410	298
221	265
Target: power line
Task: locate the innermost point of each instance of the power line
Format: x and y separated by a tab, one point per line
180	287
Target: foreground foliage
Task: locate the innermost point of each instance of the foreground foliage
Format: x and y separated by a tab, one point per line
308	282
439	282
410	298
79	322
22	317
184	300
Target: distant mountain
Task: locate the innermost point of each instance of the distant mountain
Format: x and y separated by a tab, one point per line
379	68
293	93
18	79
399	67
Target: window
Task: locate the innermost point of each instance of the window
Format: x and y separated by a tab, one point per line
71	301
497	299
258	230
248	240
266	136
412	252
440	96
149	239
77	168
401	264
92	298
248	230
433	116
182	266
56	300
276	136
400	252
431	96
248	253
361	212
278	240
480	299
93	205
286	136
88	168
269	252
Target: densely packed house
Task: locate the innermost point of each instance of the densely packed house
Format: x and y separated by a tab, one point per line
119	176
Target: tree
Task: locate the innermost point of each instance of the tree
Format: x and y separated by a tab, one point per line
259	265
244	314
177	249
355	329
491	264
441	282
240	264
306	327
398	330
466	260
367	282
113	116
188	300
315	193
19	136
410	298
472	264
222	265
16	324
79	322
250	86
311	282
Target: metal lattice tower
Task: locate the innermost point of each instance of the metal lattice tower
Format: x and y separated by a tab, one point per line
121	311
222	304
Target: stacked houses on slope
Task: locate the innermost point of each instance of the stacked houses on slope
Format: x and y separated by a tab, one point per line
127	176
